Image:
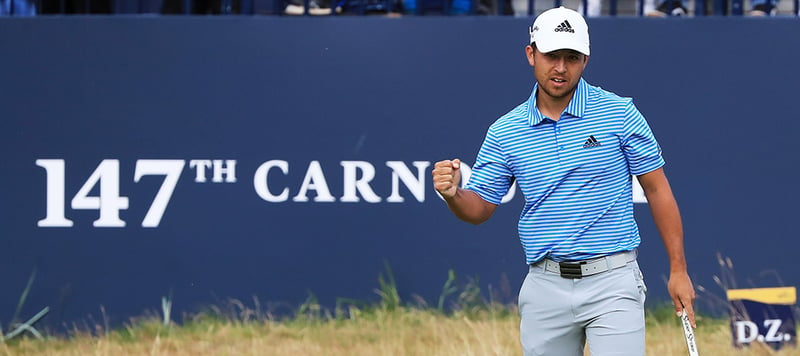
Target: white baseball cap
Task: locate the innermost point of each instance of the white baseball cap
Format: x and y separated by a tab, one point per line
560	28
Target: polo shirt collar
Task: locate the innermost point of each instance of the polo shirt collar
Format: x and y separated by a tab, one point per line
575	107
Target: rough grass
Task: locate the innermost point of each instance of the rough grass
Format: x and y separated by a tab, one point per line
475	326
488	330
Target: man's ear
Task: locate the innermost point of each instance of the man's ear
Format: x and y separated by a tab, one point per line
529	52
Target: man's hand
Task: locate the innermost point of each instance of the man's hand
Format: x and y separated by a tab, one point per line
682	293
464	203
446	177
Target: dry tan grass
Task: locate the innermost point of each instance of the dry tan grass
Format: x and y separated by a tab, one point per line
379	332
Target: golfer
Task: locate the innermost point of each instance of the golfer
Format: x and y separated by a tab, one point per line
573	148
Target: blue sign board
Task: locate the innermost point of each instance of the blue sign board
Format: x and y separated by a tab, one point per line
270	158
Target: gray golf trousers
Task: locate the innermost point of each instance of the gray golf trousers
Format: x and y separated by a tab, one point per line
604	310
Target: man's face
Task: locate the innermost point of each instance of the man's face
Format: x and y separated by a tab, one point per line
557	72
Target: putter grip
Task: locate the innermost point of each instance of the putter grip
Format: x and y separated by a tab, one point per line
689	334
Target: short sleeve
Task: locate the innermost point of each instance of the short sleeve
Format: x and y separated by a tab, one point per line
491	177
639	144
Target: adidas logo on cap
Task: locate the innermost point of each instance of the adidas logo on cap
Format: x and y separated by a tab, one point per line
565	27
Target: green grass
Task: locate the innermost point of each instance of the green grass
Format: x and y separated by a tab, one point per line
462	322
404	330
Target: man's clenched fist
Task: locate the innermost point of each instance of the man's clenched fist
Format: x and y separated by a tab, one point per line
446	177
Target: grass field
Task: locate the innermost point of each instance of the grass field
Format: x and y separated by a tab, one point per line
473	326
488	330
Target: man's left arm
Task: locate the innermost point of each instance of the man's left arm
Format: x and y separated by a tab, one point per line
667	218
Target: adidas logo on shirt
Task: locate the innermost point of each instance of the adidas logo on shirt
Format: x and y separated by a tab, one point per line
565	27
591	142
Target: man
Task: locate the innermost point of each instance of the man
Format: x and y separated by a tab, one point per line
572	148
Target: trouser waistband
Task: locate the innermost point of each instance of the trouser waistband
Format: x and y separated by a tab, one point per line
580	269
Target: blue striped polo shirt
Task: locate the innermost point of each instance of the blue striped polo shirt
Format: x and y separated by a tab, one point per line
575	173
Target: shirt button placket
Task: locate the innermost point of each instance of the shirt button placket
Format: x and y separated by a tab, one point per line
557	134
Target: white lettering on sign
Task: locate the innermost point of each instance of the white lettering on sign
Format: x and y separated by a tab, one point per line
108	201
55	194
314	180
261	185
356	179
223	171
748	331
101	190
171	170
226	169
200	166
353	186
415	184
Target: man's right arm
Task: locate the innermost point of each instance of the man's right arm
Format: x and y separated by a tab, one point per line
465	204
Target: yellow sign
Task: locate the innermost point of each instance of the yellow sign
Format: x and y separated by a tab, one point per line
782	295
